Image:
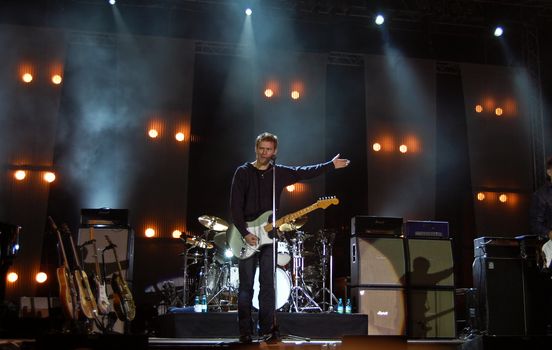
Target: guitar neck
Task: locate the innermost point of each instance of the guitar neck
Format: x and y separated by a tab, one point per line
290	217
73	247
116	258
95	255
60	241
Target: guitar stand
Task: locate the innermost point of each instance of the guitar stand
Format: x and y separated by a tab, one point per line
226	287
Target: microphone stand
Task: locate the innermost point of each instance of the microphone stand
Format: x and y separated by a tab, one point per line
275	326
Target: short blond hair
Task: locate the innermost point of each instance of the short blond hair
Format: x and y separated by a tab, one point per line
266	136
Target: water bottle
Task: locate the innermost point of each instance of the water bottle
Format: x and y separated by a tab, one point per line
197	305
348	307
340	306
204	303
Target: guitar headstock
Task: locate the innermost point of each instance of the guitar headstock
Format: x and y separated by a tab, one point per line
325	202
65	229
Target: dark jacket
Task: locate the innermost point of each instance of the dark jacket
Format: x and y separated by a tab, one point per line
251	193
540	212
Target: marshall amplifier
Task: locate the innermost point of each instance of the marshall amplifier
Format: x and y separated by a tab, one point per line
426	229
376	226
496	247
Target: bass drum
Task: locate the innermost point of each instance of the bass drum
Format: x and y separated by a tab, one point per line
283	288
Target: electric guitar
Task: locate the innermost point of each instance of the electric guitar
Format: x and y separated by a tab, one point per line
88	305
67	292
101	295
123	303
261	228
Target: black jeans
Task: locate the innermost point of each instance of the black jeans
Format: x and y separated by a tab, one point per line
247	268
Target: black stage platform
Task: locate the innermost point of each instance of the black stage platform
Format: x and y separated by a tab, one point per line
225	325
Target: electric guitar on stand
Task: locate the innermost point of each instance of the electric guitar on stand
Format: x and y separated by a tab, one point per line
67	292
88	305
123	302
261	227
101	294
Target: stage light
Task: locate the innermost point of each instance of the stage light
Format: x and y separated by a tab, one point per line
27	77
403	148
56	79
295	95
376	147
498	31
480	196
228	253
179	136
49	177
379	20
176	234
498	111
478	108
41	277
112	2
290	188
503	198
269	93
12	277
20	175
153	133
150	232
248	11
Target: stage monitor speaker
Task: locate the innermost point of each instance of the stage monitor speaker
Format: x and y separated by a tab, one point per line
430	262
431	313
499	283
122	238
385	307
377	261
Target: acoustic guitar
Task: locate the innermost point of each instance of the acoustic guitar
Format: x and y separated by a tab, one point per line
67	292
123	302
88	306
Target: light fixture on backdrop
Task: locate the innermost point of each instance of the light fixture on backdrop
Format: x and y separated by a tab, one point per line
20	175
149	232
41	277
49	177
12	277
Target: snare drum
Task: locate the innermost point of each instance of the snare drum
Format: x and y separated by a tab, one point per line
283	288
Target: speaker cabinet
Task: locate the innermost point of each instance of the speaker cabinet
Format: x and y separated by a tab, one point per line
430	263
385	307
431	313
377	261
499	283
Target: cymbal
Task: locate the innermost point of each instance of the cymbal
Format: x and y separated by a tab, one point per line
293	225
213	223
198	242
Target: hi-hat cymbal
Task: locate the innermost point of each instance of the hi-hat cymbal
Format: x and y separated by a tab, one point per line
197	242
293	225
213	223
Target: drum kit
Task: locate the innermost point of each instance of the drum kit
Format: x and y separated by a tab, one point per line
211	269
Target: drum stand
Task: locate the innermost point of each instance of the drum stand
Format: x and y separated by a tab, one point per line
327	251
225	287
299	292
